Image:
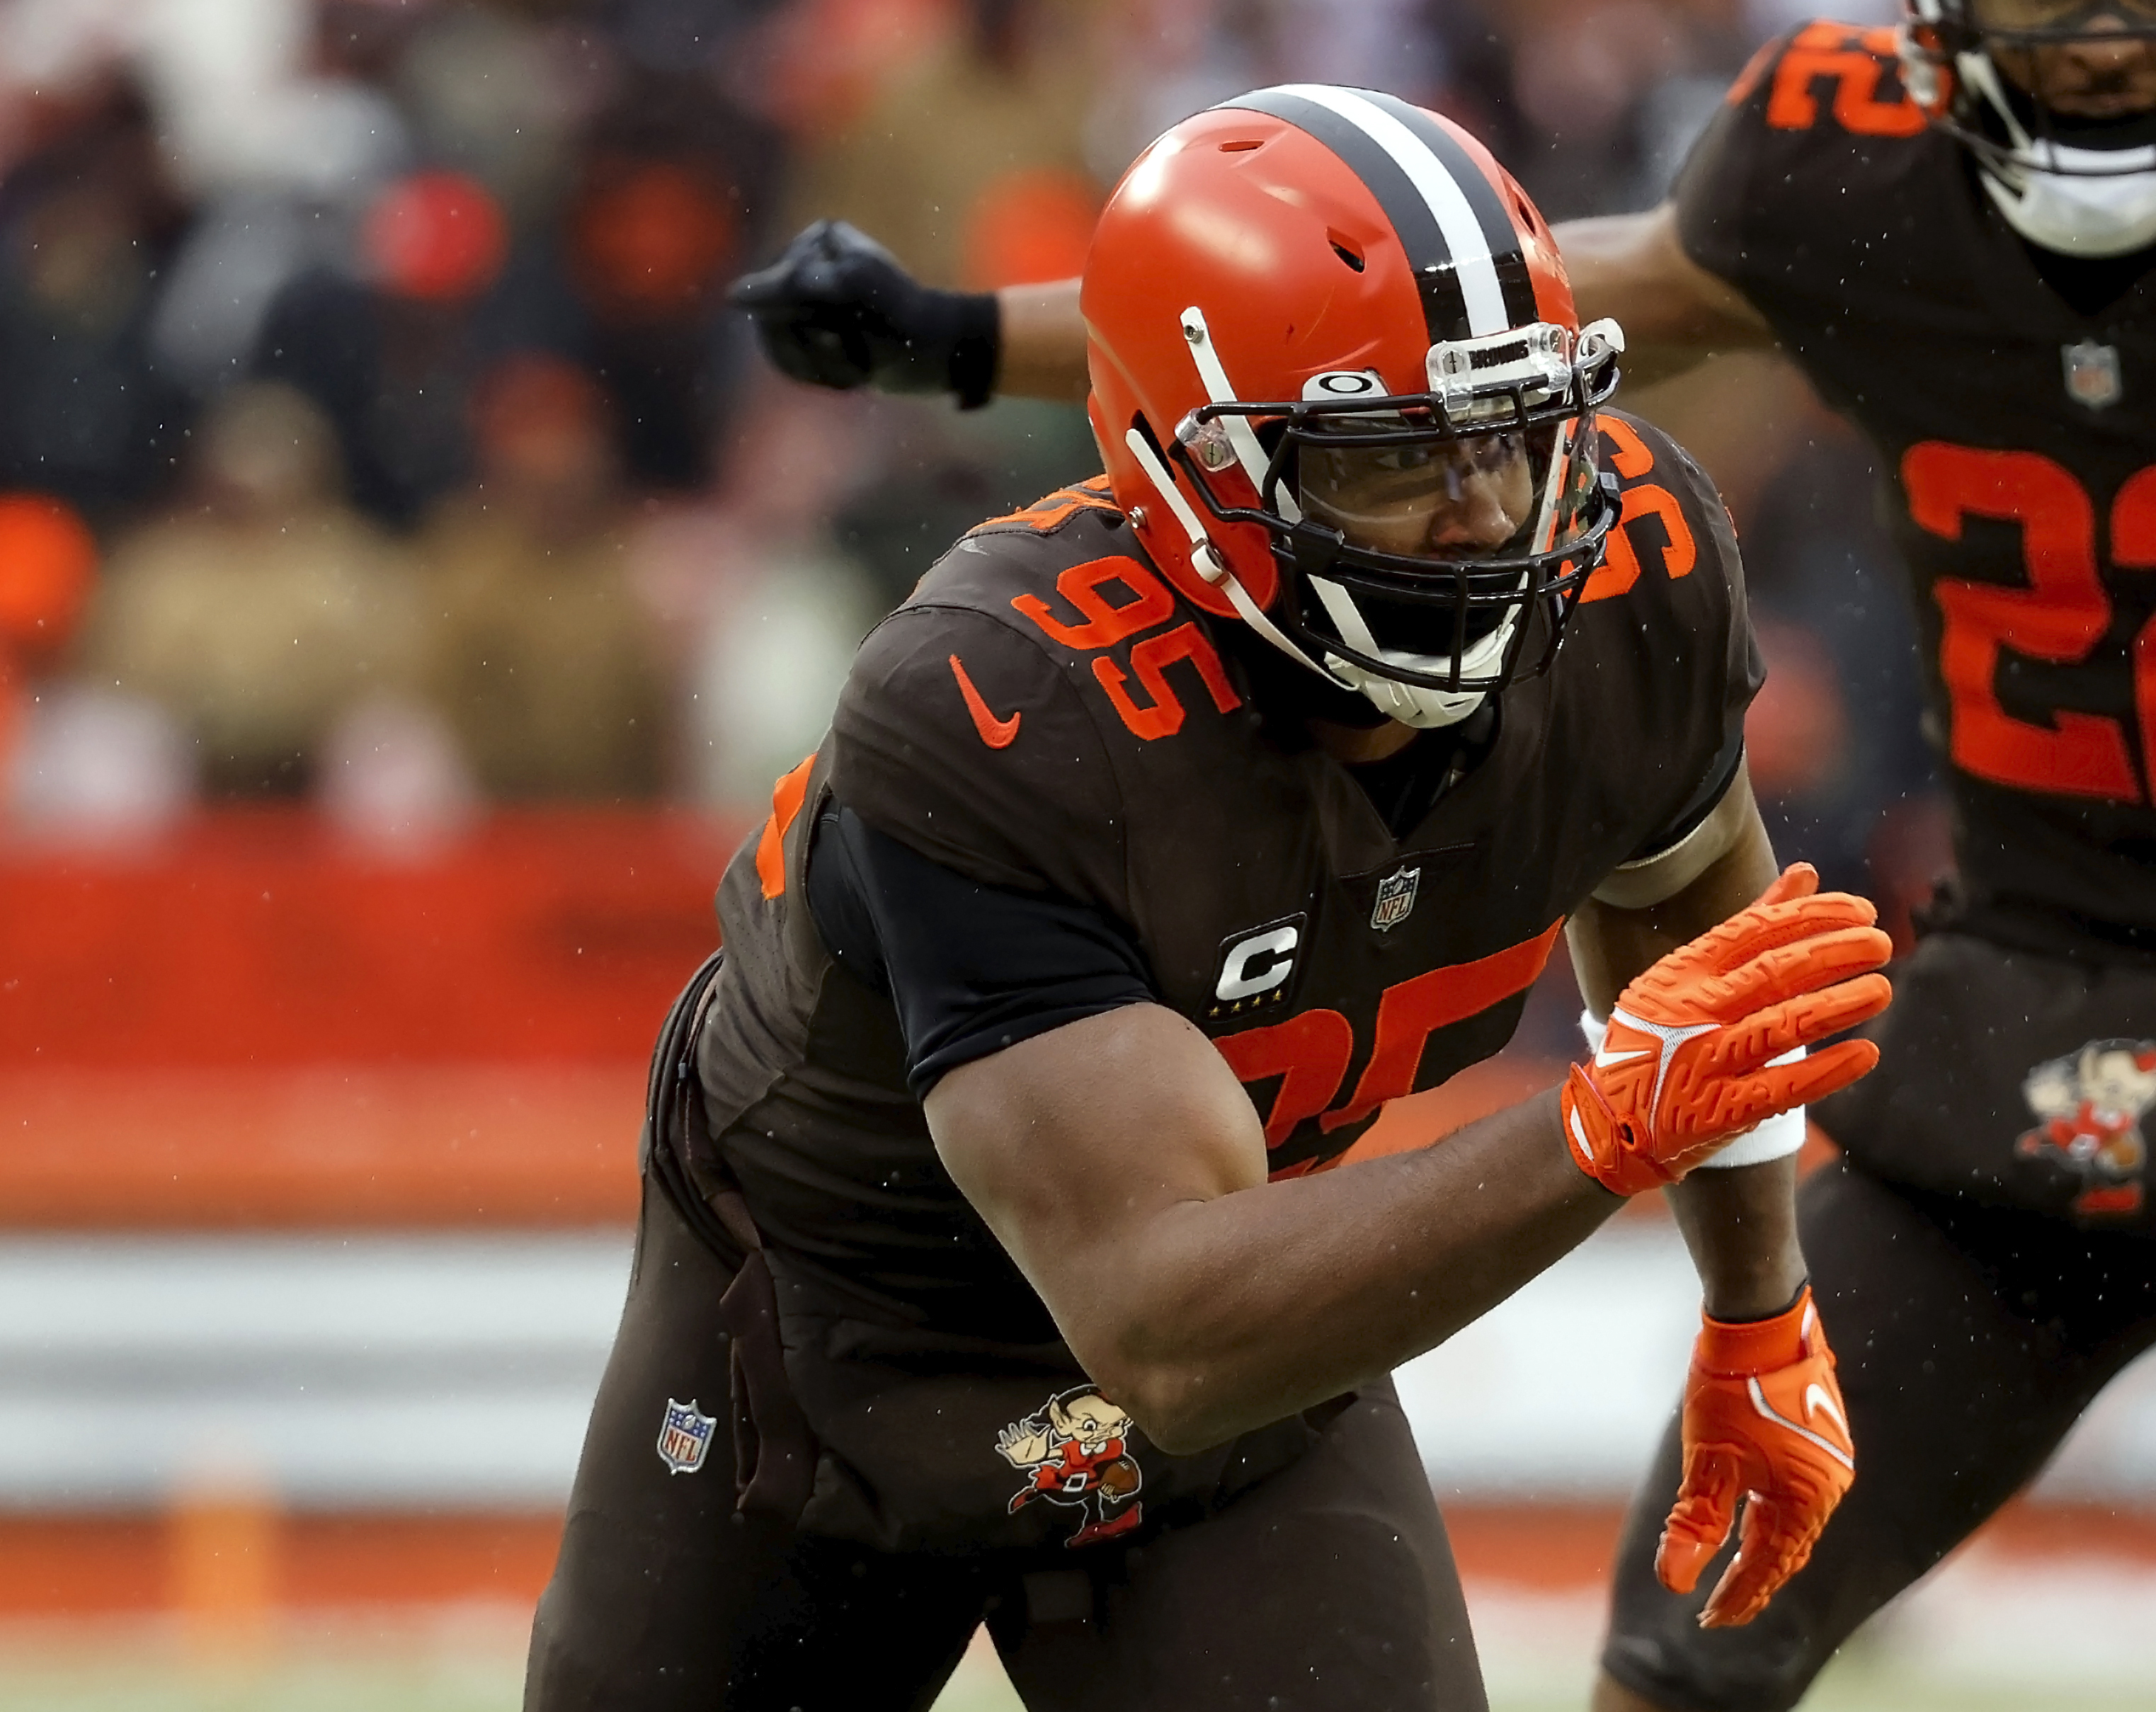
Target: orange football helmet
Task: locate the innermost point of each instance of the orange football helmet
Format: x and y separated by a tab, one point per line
1342	393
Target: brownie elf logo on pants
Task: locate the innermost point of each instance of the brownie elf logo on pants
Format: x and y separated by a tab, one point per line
1075	1450
684	1437
2090	1104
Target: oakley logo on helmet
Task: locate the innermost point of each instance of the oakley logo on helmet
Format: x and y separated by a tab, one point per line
1344	383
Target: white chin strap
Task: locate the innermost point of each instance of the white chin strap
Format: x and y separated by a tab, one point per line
2077	202
1409	704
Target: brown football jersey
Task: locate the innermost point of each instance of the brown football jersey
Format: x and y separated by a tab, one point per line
1046	716
2017	452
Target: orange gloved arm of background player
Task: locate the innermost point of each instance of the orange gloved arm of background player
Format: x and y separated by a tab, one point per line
1739	1223
1762	1419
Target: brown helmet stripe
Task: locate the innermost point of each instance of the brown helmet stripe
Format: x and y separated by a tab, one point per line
1461	245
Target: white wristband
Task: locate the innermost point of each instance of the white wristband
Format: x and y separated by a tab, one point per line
1775	1138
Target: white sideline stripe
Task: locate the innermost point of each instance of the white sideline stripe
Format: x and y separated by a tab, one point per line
458	1370
1478	287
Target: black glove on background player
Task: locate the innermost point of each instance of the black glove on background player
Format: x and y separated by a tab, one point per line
837	309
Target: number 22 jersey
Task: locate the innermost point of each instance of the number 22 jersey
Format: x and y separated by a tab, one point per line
2016	440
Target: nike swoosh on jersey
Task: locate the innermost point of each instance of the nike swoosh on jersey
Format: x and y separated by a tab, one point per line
997	734
1816	1400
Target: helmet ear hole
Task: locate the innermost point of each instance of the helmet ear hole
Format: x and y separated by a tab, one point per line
1346	251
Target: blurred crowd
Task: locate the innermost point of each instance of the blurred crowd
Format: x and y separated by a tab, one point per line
373	429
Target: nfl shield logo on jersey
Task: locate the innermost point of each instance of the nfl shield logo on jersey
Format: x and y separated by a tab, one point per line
2092	377
684	1436
1396	896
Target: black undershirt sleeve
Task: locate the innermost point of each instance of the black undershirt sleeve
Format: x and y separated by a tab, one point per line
969	968
1704	801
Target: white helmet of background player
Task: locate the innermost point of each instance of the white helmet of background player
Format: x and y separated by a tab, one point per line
2082	183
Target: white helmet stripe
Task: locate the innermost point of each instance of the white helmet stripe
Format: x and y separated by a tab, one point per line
1213	375
1480	288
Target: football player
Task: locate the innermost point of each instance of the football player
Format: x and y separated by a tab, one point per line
1951	229
1174	825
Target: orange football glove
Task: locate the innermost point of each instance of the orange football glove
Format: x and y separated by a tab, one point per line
1763	1416
1684	1066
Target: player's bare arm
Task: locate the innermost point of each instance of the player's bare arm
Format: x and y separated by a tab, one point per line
1042	342
842	312
1674	313
1124	1168
1740	1223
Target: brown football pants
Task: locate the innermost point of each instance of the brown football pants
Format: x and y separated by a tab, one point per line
1969	1340
1329	1587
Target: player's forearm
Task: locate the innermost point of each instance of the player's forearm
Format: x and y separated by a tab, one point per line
1741	1227
1239	1311
1123	1168
1633	268
1611	945
1740	1222
1041	347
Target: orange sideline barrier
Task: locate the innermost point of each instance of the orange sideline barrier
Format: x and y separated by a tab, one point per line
63	1566
368	1147
259	938
60	1565
258	1022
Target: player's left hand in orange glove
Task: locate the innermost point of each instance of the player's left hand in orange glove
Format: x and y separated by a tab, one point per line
1694	1052
1763	1421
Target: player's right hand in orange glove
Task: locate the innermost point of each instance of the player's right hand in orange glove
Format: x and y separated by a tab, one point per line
1762	1419
1684	1066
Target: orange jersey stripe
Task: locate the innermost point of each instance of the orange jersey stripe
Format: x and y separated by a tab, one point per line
786	799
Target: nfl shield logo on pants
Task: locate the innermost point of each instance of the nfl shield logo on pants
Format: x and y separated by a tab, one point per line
2092	377
684	1436
1396	896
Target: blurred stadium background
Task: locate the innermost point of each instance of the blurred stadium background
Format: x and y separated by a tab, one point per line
409	585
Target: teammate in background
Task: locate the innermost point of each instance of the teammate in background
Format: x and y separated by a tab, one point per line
1173	825
1953	232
